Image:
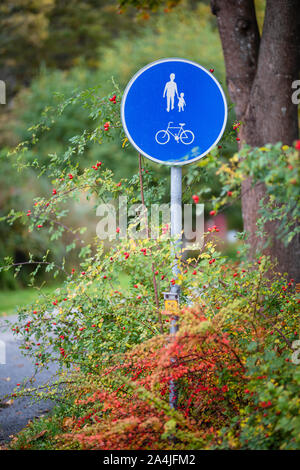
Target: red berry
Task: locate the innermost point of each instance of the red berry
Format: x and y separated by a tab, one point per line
212	213
195	199
211	70
297	145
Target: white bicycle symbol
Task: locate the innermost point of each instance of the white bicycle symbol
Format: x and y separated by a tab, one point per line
185	136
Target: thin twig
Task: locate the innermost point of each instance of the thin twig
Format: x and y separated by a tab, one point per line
148	236
277	329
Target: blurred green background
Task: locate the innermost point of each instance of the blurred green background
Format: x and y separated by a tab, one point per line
56	46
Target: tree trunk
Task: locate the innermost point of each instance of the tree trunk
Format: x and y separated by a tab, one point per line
259	75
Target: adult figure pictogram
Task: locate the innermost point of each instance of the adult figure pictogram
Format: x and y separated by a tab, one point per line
170	90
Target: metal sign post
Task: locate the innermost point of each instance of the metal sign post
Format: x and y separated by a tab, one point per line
176	217
174	112
176	229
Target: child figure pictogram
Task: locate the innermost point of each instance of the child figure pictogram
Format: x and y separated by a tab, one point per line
181	102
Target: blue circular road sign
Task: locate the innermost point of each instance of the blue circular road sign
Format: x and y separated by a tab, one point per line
174	111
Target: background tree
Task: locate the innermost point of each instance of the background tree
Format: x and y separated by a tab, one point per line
259	73
55	33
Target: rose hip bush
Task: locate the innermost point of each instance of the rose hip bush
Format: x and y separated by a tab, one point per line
231	358
129	407
231	361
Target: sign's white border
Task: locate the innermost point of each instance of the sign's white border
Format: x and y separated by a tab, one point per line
176	59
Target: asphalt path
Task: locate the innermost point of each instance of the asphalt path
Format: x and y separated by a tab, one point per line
14	415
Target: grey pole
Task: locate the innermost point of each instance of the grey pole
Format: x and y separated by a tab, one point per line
176	229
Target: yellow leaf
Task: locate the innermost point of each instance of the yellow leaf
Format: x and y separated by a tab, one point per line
235	158
67	422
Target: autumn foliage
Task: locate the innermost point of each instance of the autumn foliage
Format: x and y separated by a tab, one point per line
236	389
132	411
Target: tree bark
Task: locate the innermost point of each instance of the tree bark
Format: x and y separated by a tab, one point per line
259	75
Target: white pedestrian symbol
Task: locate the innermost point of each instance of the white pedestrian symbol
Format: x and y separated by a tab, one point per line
183	135
170	90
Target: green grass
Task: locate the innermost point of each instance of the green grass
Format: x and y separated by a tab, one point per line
40	434
10	300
